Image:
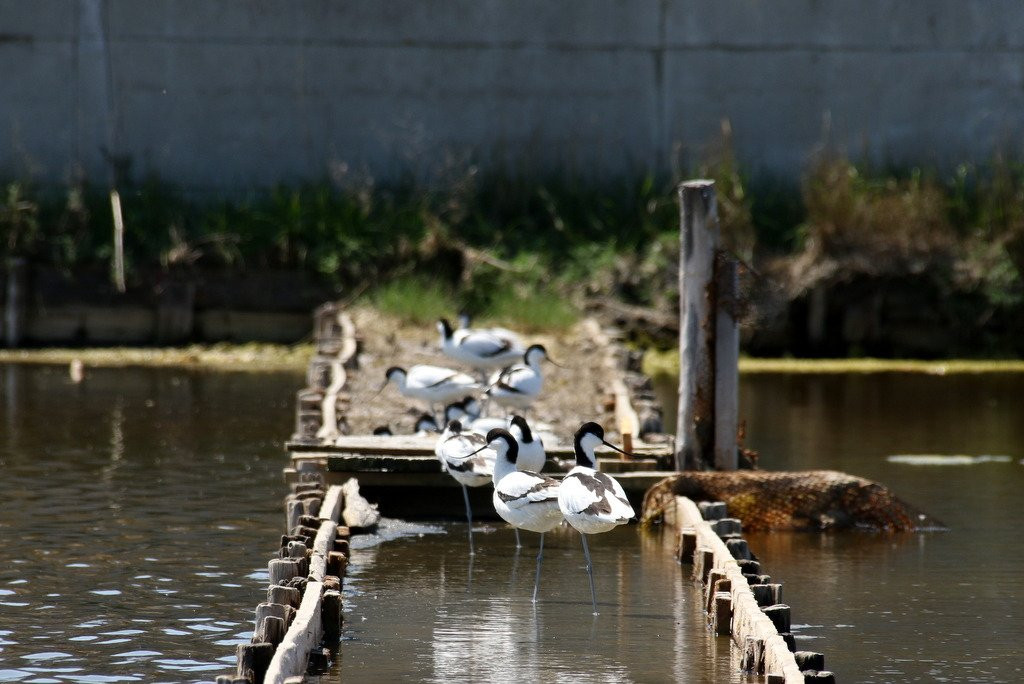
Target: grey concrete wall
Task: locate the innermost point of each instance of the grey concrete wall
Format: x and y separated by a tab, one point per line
231	93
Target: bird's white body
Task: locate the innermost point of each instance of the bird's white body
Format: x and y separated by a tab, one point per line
485	424
528	501
592	501
453	449
433	384
518	385
531	449
478	348
514	337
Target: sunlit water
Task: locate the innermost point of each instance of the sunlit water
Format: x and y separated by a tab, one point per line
139	509
931	607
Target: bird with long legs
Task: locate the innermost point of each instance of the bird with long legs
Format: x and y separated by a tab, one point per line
466	457
591	501
524	499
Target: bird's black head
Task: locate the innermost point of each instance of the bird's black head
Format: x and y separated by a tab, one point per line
382	430
524	429
512	450
426	422
587	438
445	328
391	372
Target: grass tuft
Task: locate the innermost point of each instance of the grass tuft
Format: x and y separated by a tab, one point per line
415	300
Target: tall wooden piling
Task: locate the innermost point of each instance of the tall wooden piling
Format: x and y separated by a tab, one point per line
698	241
708	336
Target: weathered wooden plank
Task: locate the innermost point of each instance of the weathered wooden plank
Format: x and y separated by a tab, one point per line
323	544
330	509
303	636
413	445
420	463
748	620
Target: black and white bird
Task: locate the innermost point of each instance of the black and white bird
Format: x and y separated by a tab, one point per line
526	500
432	384
425	425
467	412
531	449
591	501
464	322
518	385
477	348
465	456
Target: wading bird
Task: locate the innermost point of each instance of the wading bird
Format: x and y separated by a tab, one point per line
524	499
591	501
531	449
432	384
518	385
465	456
480	349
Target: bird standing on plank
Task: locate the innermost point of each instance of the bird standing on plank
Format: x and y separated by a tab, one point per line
591	501
518	385
480	349
460	454
522	498
432	384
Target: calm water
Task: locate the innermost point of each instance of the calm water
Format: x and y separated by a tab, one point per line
139	509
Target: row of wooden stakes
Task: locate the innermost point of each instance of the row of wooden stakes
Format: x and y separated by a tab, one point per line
739	600
298	627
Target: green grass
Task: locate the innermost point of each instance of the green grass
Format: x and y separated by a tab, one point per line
666	363
532	311
415	300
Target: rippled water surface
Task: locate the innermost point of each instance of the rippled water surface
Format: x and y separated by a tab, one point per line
138	511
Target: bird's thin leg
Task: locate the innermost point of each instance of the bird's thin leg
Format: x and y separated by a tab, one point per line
469	521
540	559
590	571
519	544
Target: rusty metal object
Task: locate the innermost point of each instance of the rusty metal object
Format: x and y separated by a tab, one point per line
817	499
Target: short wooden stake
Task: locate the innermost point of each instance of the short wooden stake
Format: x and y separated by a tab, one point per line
809	660
723	613
753	655
703	560
281	570
779	615
253	660
687	545
337	563
819	677
286	596
330	614
738	548
712	510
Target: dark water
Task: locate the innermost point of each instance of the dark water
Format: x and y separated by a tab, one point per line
930	607
138	511
139	508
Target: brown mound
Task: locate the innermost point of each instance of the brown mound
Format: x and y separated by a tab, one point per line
817	499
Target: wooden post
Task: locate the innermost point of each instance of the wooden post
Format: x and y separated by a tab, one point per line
115	208
14	312
727	359
698	238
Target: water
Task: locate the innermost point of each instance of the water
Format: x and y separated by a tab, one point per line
938	606
140	507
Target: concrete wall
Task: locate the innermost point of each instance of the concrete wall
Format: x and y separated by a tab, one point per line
230	93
